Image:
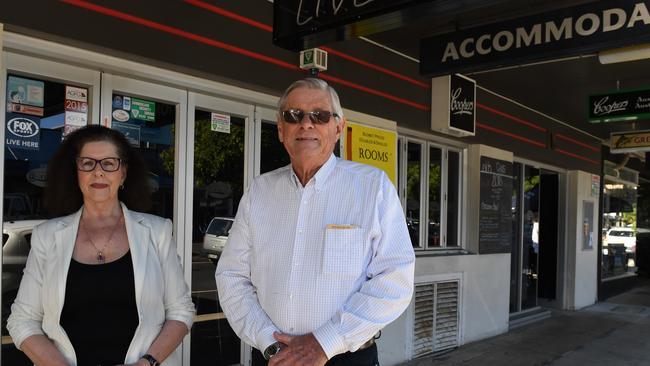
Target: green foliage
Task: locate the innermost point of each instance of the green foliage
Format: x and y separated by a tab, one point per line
217	156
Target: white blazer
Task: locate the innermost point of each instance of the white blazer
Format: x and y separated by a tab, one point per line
161	292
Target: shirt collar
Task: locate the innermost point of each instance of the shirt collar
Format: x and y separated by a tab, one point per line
321	175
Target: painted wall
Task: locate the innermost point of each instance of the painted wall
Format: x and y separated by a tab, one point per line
485	290
483	299
581	279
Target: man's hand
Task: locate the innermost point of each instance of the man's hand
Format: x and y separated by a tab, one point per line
301	350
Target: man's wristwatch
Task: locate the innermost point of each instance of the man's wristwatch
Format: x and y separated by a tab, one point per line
152	361
272	350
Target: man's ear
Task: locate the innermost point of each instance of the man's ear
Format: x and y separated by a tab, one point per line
340	127
279	124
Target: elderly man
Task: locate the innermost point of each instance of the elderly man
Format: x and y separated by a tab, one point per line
319	258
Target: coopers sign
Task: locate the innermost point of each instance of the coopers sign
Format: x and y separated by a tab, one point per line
453	105
567	32
620	106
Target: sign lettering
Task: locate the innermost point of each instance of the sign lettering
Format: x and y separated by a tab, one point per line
570	31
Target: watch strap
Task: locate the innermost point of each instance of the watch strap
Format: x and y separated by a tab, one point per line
152	361
271	350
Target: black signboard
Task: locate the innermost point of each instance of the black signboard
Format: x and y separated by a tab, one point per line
570	31
619	106
495	211
462	103
301	24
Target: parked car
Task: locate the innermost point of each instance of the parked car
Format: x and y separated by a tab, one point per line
216	236
622	235
16	237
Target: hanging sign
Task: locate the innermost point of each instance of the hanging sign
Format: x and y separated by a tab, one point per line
630	141
453	105
301	24
569	31
372	146
620	106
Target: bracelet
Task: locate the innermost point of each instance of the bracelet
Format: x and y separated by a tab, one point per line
152	361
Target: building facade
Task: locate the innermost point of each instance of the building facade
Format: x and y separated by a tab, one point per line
194	85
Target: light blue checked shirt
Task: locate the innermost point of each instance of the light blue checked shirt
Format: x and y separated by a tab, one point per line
332	258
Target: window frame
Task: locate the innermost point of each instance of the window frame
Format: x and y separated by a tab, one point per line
423	245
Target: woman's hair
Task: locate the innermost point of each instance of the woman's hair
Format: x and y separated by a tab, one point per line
62	193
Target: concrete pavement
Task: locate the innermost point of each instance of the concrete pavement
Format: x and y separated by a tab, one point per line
611	333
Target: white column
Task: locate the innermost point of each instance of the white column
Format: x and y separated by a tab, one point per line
581	262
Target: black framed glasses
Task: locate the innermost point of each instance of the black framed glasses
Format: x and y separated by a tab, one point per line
86	164
317	117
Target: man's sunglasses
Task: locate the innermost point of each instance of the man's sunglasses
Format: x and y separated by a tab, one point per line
316	117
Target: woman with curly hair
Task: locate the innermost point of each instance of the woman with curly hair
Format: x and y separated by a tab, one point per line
103	284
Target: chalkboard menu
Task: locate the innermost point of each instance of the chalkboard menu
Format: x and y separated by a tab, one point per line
495	211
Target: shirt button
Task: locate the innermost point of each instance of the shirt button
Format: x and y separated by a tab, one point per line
291	329
291	296
300	231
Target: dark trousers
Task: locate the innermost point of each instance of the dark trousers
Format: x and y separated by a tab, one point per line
364	357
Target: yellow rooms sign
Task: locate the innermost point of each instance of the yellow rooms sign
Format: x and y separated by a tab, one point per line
372	146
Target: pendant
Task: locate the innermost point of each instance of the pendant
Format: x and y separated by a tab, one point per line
100	257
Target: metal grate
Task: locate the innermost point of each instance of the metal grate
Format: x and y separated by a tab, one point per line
435	331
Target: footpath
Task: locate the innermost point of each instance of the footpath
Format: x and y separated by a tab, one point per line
610	333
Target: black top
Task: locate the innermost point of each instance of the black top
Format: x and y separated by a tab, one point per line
99	313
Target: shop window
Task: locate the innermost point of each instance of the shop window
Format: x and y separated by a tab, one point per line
218	188
273	155
149	126
620	225
431	184
39	113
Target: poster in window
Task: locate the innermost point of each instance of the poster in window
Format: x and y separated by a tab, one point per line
587	225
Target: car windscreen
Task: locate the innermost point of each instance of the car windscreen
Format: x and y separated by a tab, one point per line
625	234
219	227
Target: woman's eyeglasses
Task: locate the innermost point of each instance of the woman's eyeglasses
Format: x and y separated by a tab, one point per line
316	117
107	164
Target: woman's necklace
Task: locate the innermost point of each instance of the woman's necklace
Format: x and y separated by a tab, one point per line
101	257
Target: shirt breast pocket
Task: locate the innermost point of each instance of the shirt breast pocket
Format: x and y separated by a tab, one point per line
343	252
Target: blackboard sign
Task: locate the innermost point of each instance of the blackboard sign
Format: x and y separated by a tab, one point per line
495	211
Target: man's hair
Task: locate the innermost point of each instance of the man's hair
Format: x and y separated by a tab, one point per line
312	83
62	193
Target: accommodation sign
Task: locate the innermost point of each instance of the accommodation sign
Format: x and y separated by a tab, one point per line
619	106
565	32
631	141
301	24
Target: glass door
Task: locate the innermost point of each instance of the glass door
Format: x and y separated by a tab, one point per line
44	101
271	153
524	266
217	173
152	117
